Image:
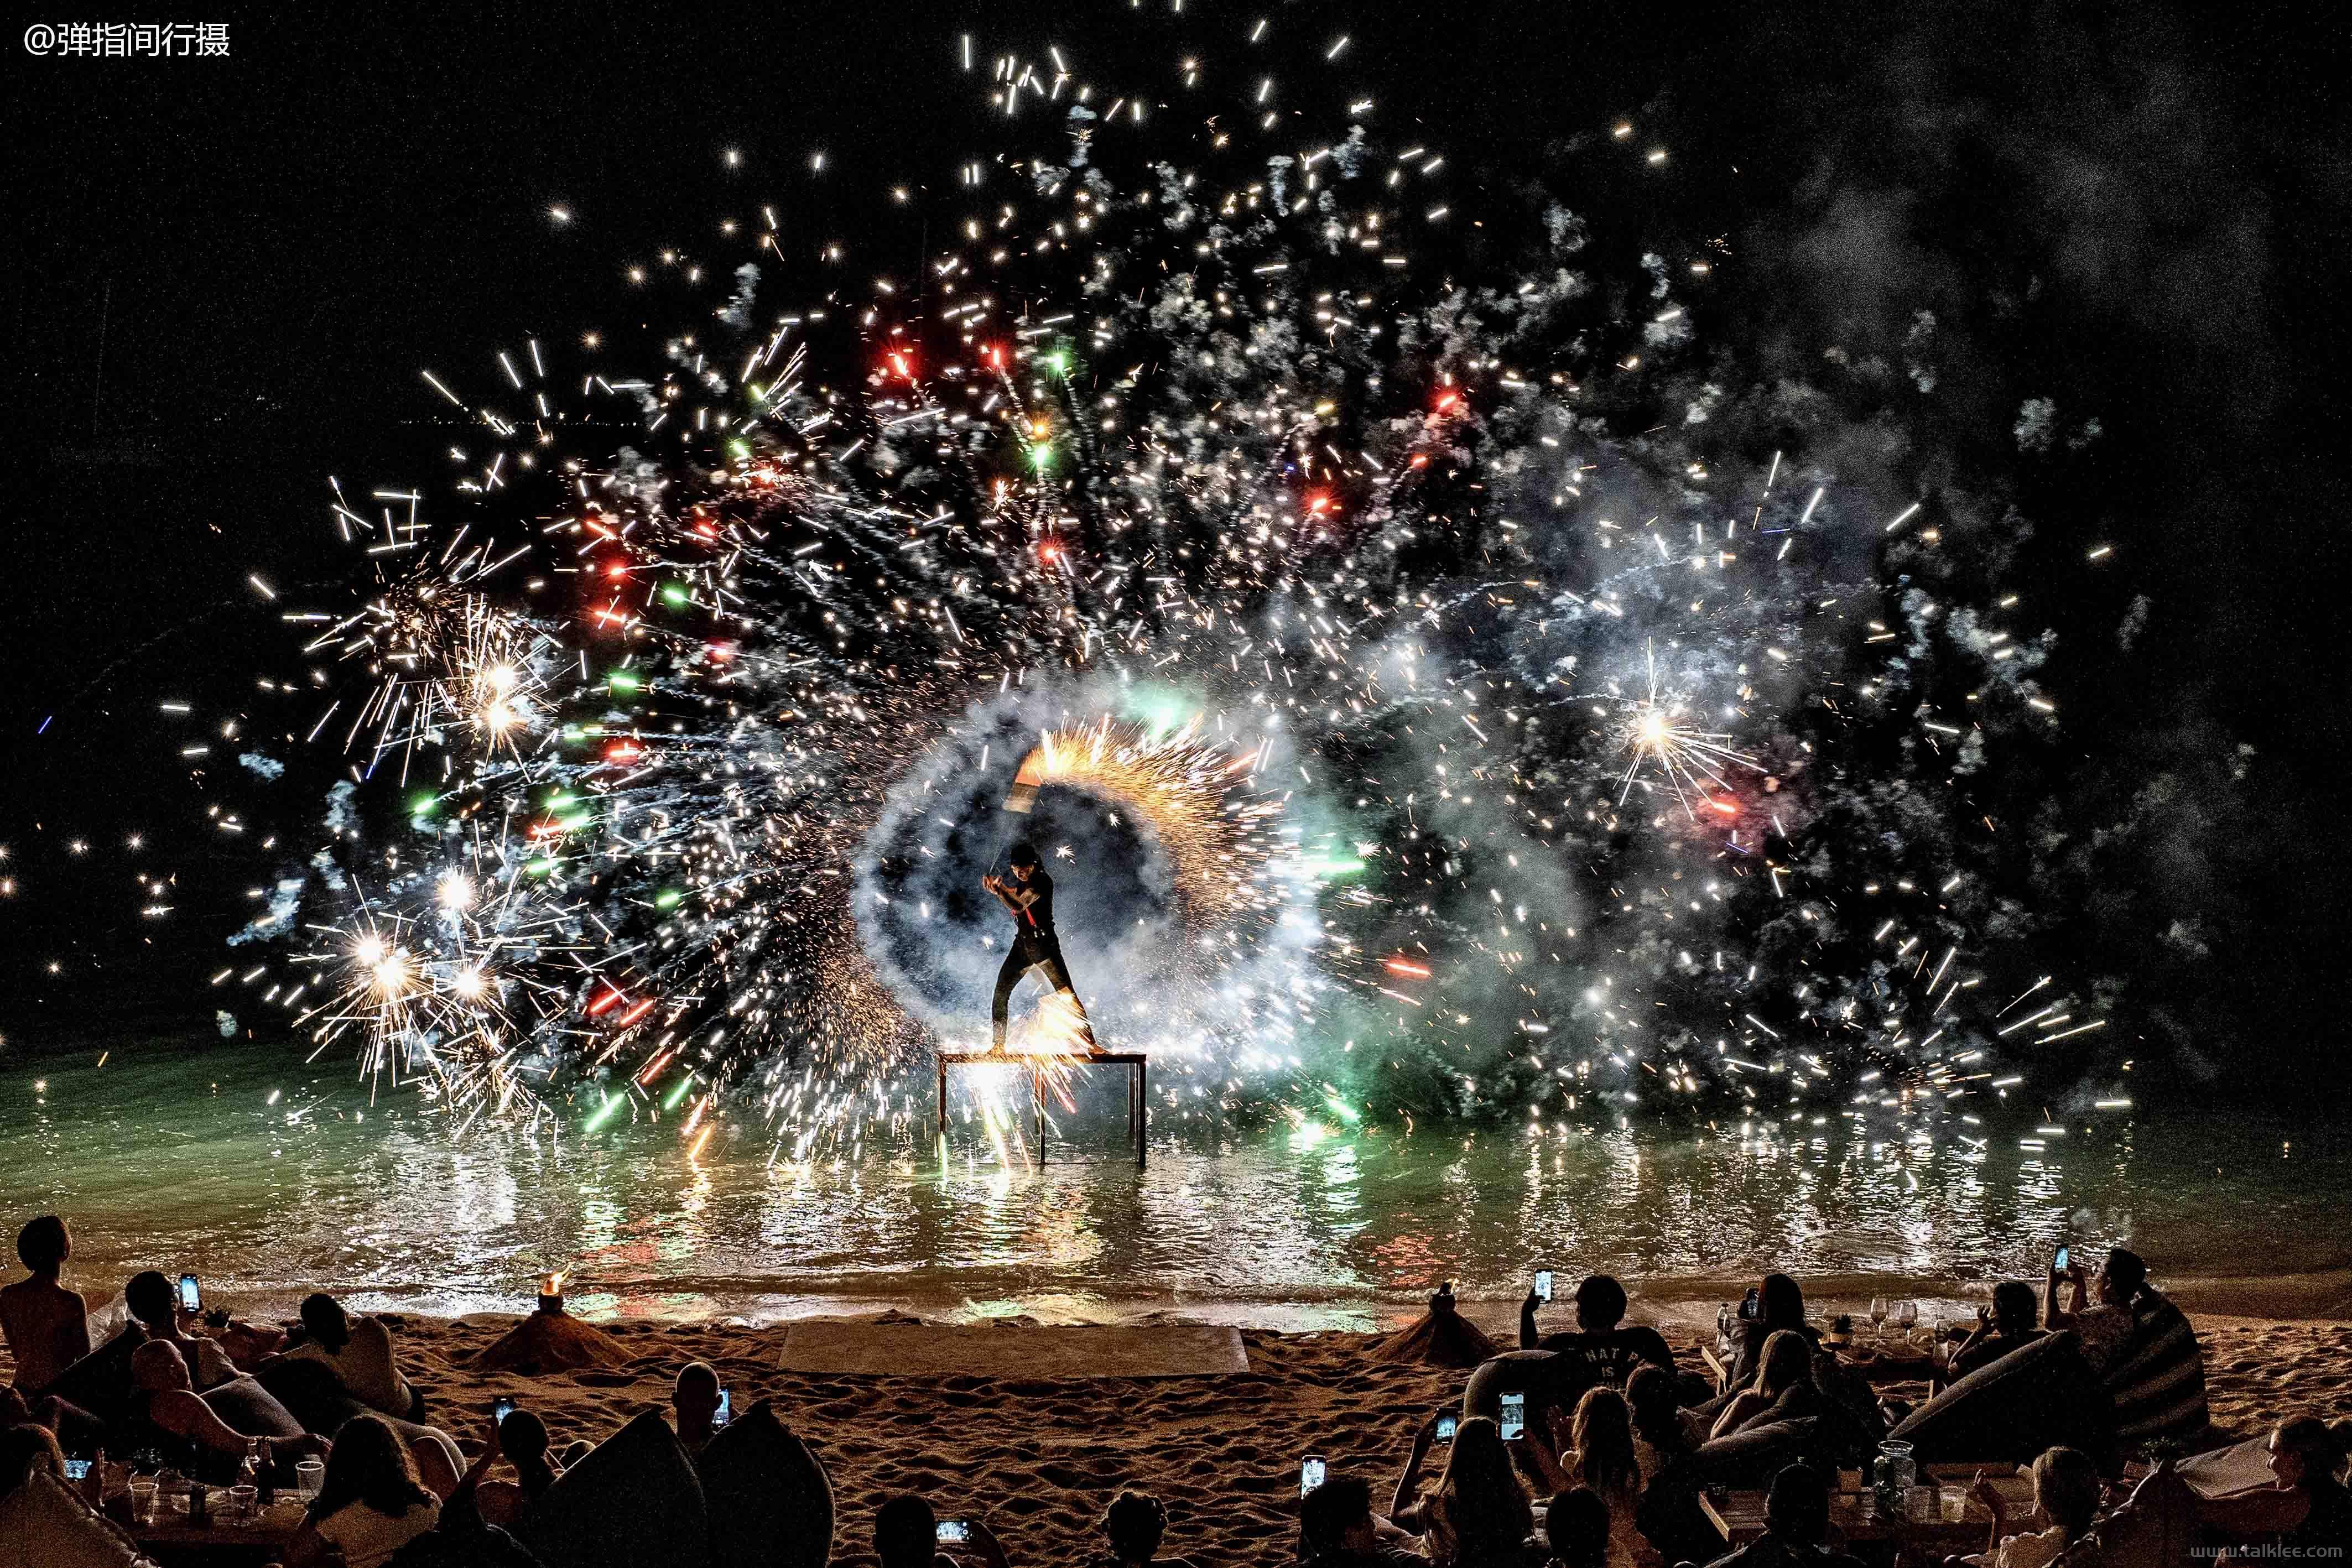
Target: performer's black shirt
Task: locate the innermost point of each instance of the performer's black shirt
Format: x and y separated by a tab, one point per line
1035	927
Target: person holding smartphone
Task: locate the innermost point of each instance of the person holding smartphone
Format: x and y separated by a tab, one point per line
909	1533
1479	1513
155	1310
694	1396
2140	1345
1135	1523
45	1516
1602	1350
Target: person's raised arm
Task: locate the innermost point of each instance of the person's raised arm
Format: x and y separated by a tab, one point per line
986	1546
1986	1493
1406	1499
481	1467
1540	1446
2080	1278
1528	1338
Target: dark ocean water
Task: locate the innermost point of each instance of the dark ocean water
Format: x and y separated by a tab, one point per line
269	1177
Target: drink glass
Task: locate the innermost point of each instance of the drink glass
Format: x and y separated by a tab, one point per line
241	1502
1879	1316
1919	1504
310	1475
1954	1501
1909	1317
143	1499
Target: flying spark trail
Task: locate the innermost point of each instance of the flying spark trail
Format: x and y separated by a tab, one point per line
1400	641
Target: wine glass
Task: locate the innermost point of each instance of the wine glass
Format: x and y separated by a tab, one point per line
1878	1317
1909	1318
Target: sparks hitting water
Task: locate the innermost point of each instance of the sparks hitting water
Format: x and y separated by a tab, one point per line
1455	698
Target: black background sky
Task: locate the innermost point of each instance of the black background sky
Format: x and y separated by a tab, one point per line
2136	210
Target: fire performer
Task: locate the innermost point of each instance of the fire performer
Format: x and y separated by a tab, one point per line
1029	894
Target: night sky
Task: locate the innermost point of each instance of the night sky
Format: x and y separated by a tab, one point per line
2136	213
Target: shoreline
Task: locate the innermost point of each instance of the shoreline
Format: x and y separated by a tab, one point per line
1686	1302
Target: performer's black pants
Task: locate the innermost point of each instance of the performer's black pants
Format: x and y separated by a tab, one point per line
1047	961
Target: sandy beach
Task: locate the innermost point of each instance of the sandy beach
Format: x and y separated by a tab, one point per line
1040	1458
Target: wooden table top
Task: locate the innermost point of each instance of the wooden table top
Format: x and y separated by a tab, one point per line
1739	1515
271	1533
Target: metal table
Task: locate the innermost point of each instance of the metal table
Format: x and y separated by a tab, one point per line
1139	1085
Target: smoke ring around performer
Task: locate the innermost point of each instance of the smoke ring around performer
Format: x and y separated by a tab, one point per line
1175	867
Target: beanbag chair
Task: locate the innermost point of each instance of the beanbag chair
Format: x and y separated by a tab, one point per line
631	1501
314	1396
1549	1380
312	1392
2035	1397
769	1501
1752	1456
99	1383
249	1409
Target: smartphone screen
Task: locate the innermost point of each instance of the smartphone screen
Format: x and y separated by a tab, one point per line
1310	1473
77	1470
189	1300
1446	1422
2065	1258
500	1408
953	1533
1543	1284
1515	1417
726	1411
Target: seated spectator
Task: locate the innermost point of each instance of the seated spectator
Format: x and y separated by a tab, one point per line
1666	1438
2067	1491
1576	1529
694	1406
1135	1524
1783	1388
1601	1351
2307	1507
2307	1455
907	1535
2142	1348
1781	1307
1336	1528
43	1519
519	1439
359	1350
1478	1514
155	1311
2011	1327
1599	1455
1663	1430
46	1325
174	1419
371	1503
1795	1525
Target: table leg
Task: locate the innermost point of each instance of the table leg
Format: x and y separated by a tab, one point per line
1142	1110
943	1109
